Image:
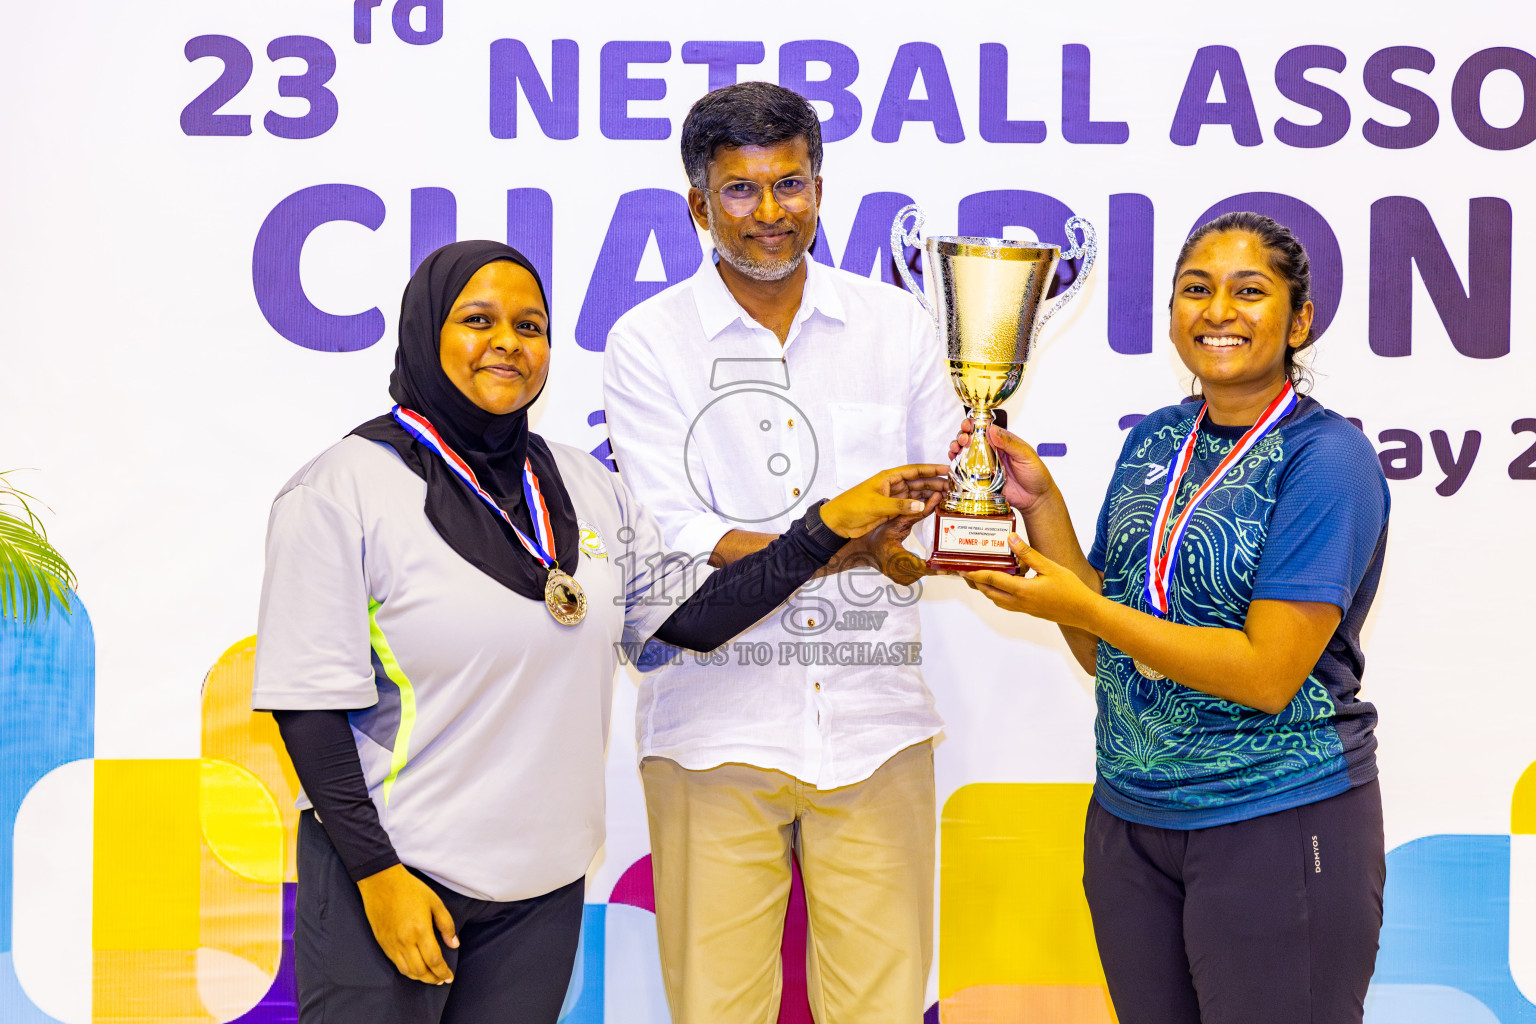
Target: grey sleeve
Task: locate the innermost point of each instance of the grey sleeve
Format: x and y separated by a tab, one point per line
312	647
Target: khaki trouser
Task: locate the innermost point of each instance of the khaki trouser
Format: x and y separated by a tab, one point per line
720	849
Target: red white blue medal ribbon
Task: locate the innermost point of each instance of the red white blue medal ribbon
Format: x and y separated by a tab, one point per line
1163	544
541	546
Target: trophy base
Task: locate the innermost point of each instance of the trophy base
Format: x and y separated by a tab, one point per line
963	543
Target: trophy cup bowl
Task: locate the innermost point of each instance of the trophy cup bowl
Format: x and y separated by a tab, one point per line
988	305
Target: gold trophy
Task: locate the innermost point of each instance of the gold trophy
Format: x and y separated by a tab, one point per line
986	296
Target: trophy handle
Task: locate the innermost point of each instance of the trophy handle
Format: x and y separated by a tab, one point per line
901	237
1086	250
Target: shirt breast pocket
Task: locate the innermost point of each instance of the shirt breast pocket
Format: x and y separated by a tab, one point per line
866	438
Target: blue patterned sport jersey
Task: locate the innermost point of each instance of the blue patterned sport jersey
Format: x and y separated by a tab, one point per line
1301	517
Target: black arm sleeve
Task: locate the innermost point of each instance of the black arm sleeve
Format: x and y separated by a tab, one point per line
734	598
325	758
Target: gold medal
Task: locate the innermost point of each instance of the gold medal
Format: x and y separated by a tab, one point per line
564	598
1146	670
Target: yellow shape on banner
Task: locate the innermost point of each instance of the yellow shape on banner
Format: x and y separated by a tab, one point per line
154	986
187	916
233	732
147	849
1027	1004
241	822
1522	806
1011	905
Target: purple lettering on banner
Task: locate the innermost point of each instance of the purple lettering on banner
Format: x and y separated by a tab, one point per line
434	222
1333	110
1077	123
201	116
319	65
1455	465
821	249
1423	115
1477	317
1523	466
432	21
531	230
613	290
362	20
616	89
1196	110
843	67
604	451
897	106
1406	460
1467	97
870	240
1130	273
530	225
723	59
987	214
993	122
275	268
1314	232
555	108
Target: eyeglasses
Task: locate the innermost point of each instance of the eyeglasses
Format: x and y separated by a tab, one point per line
739	198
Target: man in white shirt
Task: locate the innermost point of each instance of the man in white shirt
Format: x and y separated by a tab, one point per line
733	399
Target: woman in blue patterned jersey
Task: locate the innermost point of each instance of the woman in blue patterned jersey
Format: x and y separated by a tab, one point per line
1233	856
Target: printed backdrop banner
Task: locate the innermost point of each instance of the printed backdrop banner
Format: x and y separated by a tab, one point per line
211	209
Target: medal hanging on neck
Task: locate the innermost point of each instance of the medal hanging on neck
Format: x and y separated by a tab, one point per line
563	596
1163	543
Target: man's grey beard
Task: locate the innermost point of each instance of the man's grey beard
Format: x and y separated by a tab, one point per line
757	270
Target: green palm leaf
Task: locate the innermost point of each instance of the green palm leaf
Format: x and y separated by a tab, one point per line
32	572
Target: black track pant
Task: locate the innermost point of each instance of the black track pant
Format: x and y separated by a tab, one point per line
513	963
1273	920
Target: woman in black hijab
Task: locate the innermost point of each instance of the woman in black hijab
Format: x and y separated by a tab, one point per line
440	624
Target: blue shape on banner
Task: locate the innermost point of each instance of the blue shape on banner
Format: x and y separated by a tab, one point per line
1424	1004
584	997
47	718
1447	923
47	715
15	1007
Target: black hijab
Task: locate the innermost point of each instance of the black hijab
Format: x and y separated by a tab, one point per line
494	446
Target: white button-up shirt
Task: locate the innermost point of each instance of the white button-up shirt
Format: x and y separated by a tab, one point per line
716	427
